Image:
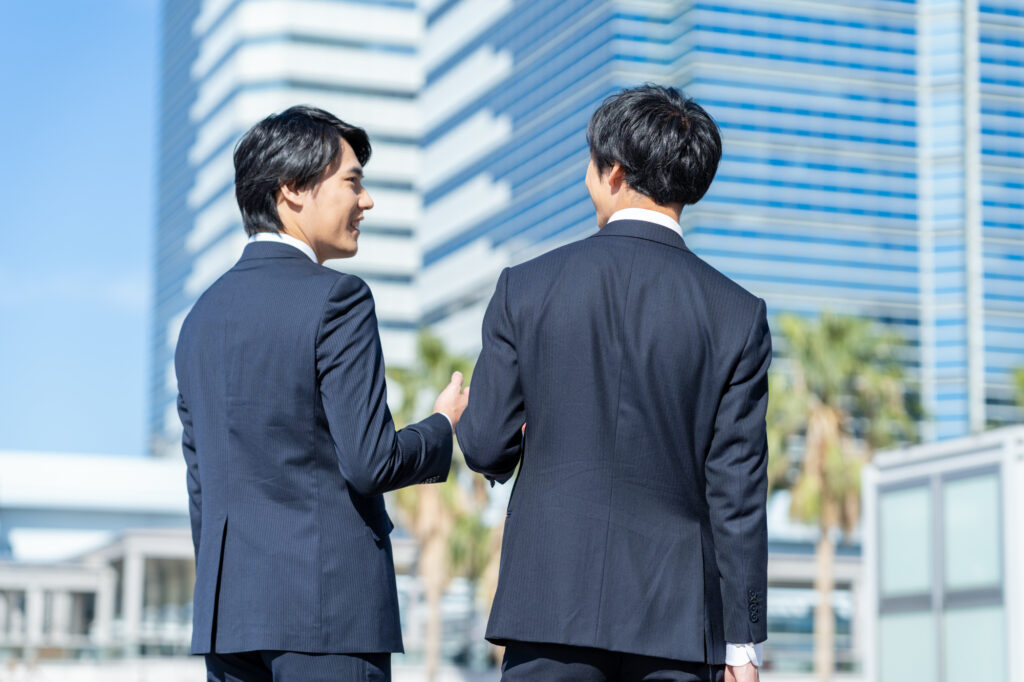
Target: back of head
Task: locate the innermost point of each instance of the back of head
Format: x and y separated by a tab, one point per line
668	146
295	147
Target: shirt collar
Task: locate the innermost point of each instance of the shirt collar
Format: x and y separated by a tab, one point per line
648	216
285	239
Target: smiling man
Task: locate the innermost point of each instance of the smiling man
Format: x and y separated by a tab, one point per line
287	434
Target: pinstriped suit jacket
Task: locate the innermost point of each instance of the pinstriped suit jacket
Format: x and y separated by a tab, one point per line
289	444
637	521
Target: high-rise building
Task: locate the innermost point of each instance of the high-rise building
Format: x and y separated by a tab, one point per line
871	161
871	166
229	63
971	223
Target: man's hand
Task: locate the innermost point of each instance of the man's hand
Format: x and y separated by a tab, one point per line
741	673
453	399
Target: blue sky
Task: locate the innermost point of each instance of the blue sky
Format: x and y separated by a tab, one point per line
79	119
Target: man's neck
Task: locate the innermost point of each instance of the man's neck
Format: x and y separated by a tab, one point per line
297	233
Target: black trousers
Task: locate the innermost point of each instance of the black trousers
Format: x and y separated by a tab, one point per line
530	662
288	666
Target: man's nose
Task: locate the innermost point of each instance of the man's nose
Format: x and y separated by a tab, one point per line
365	201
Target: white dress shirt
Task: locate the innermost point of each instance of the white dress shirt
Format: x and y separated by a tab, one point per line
649	216
285	239
735	654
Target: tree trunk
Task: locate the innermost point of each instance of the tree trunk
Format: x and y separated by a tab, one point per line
824	618
433	527
434	591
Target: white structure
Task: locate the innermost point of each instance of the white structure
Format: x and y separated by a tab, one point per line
943	560
131	596
76	573
226	65
55	506
96	559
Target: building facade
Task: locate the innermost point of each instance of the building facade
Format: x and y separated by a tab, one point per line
868	169
971	106
872	158
226	64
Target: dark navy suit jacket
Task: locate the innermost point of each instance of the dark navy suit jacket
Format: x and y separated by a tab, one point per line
637	520
289	444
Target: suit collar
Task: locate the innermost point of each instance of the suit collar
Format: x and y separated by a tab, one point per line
272	249
648	216
283	238
641	229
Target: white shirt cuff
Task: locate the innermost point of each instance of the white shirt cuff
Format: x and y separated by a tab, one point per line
741	654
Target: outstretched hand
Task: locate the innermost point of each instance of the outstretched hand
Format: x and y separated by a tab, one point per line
453	399
741	673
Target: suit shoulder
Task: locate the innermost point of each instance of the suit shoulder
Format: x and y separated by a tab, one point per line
343	285
547	260
721	285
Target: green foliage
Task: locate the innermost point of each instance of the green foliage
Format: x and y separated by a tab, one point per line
429	374
843	392
469	539
785	417
1018	377
805	503
469	546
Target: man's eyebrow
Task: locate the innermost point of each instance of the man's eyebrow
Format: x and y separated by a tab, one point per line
355	170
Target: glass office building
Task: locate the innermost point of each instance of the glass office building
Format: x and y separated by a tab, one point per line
971	116
227	64
871	161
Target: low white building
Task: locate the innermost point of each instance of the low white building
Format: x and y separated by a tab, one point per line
98	563
95	555
943	560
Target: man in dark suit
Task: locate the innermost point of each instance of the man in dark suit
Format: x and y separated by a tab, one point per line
287	434
635	545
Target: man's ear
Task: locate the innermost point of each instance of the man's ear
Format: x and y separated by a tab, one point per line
616	177
291	195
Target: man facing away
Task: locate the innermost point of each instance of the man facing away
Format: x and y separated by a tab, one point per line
287	434
635	545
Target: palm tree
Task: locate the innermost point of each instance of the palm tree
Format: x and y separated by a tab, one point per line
842	389
444	519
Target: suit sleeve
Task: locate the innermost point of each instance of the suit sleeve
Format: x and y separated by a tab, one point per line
372	456
195	491
490	431
737	488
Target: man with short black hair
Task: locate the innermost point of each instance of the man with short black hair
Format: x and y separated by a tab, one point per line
287	434
635	545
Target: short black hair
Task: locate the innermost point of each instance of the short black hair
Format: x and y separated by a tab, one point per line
666	143
295	148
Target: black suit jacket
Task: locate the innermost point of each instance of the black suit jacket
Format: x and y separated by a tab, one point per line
637	521
289	444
